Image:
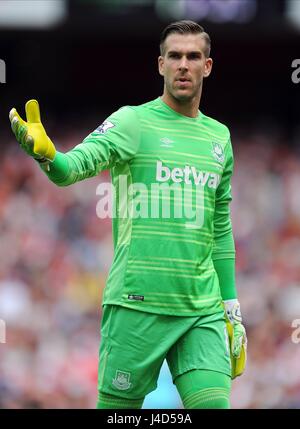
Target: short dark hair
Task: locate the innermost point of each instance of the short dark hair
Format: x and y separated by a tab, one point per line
185	27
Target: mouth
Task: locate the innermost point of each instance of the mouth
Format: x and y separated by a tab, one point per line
182	82
183	79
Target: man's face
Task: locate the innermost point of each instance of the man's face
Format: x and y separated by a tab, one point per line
184	65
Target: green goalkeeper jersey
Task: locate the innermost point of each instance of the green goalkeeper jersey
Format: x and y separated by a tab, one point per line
171	182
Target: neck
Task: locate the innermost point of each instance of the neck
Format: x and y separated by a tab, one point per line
185	107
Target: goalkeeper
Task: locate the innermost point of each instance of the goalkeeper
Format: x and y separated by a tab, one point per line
171	289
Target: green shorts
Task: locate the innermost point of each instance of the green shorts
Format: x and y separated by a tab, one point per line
134	345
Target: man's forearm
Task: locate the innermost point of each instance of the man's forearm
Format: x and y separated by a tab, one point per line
225	269
224	262
59	170
83	161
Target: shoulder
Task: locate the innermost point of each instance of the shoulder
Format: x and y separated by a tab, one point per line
124	113
125	118
145	108
134	112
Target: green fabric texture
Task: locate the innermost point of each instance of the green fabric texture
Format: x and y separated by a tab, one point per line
59	170
130	368
189	163
204	389
225	269
97	153
106	401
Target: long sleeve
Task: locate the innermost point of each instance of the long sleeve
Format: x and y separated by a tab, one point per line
224	250
115	141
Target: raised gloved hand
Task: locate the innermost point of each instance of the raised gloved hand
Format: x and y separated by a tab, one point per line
237	337
31	135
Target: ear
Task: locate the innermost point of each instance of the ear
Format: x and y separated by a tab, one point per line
161	65
208	67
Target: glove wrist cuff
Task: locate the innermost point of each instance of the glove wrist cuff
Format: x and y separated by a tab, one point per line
233	311
41	160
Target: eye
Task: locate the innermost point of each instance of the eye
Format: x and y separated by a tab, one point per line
195	56
174	55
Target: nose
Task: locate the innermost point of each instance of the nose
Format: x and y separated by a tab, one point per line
183	65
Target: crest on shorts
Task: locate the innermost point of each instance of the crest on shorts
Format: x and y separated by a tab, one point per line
218	152
105	126
121	380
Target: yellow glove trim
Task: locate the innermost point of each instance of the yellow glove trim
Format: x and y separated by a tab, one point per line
238	364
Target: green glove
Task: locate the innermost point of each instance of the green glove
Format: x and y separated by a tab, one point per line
31	135
237	337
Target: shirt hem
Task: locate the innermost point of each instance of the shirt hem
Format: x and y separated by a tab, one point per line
147	309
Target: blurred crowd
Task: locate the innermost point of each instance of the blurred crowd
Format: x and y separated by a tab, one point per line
55	254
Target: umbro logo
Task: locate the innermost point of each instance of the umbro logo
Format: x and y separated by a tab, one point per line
166	142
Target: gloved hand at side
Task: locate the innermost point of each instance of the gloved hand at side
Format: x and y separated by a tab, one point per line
237	337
